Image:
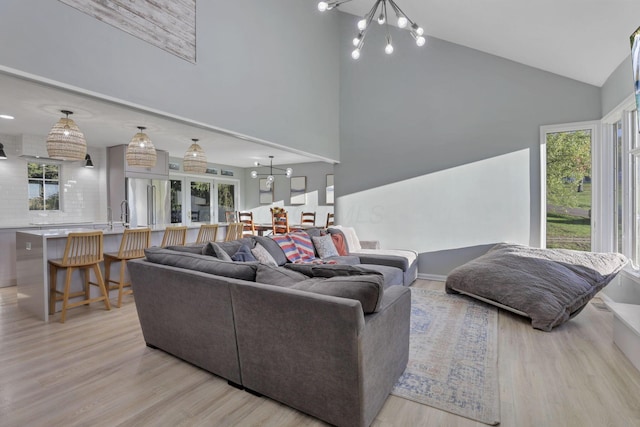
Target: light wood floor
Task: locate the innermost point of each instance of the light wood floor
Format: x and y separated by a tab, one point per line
95	370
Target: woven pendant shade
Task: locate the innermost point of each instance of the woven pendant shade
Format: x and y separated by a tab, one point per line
140	151
65	140
195	160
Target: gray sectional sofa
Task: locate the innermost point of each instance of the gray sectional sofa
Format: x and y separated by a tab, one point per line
331	342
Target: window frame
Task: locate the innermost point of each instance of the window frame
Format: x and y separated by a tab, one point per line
43	181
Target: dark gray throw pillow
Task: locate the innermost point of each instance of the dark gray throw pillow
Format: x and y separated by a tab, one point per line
273	248
212	249
332	270
194	249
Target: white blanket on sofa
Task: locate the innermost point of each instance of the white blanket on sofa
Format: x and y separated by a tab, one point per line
353	243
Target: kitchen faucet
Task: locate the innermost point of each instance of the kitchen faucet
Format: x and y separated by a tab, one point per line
110	217
124	213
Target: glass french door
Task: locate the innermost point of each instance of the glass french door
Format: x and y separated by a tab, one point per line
199	201
226	198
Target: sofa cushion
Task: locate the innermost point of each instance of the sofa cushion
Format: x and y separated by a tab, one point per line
243	254
204	263
278	276
392	276
332	270
263	255
273	248
346	260
194	249
324	246
368	289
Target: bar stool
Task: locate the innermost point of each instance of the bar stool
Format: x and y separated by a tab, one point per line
207	233
132	246
83	251
174	236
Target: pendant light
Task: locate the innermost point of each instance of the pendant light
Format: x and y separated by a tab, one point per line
140	151
195	160
65	140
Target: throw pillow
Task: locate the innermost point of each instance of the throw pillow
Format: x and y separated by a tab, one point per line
244	254
212	249
325	247
263	255
338	241
304	245
288	247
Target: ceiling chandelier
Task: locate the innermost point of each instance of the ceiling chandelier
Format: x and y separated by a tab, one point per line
195	160
270	176
140	151
65	140
379	9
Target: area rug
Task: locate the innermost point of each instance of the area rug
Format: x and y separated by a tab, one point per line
453	356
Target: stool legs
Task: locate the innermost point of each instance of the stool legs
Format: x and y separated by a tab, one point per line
66	293
120	284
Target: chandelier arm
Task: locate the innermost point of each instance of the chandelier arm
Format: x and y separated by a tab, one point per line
397	8
369	17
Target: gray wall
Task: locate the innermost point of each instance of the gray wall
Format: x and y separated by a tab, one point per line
440	146
316	174
618	87
267	69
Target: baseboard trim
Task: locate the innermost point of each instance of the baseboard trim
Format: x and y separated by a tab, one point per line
434	277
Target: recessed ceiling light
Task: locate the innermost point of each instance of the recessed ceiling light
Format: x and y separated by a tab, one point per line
6	116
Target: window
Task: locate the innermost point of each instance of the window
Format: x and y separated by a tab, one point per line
44	186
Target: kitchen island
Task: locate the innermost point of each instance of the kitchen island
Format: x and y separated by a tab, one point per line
34	247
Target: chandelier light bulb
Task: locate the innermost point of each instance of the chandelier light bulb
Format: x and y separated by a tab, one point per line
402	22
322	6
362	24
388	49
289	172
381	18
270	178
355	54
356	40
420	41
417	29
254	174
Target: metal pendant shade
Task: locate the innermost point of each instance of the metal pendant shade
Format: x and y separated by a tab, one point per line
65	140
140	151
195	160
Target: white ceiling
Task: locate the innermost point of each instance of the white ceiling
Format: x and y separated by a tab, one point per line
581	39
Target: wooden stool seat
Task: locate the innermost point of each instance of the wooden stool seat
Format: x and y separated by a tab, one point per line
132	246
83	251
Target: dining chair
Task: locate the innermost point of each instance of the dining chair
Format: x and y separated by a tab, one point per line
234	231
230	216
83	251
280	222
134	242
247	219
207	233
330	220
174	236
308	218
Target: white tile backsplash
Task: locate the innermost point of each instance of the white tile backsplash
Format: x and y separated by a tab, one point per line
83	190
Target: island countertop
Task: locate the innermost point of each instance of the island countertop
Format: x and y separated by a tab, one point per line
35	247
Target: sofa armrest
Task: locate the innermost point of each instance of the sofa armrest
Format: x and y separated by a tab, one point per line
370	244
